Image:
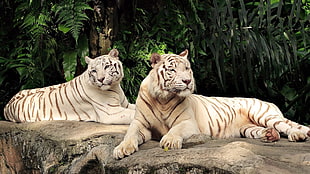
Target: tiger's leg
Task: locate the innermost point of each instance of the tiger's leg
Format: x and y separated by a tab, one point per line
136	134
304	129
265	134
293	130
114	115
174	138
268	115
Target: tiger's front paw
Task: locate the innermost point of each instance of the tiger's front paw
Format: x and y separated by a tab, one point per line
125	148
297	136
170	141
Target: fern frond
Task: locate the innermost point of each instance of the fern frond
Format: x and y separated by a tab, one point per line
72	16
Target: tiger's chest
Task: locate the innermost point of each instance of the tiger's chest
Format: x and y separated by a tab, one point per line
169	114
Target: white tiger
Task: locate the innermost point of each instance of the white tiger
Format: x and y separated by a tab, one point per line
167	110
95	95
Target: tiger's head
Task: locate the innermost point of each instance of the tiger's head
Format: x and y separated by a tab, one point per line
105	71
171	75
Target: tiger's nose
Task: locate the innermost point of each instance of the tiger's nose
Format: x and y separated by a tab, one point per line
101	79
186	81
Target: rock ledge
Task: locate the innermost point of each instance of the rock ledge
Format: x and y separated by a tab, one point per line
86	147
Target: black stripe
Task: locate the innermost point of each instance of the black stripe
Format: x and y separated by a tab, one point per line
206	109
31	105
261	115
163	77
210	128
78	91
175	119
28	111
269	118
89	98
63	86
216	108
20	109
66	116
257	117
103	110
117	105
44	107
299	127
145	119
245	129
243	132
249	109
49	98
51	115
38	117
257	130
276	123
142	135
231	113
251	133
219	128
148	105
218	113
175	106
73	108
73	92
57	105
87	114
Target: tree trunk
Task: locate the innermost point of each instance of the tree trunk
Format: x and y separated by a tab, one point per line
104	25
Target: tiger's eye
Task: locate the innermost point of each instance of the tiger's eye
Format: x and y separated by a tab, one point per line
107	66
93	71
171	70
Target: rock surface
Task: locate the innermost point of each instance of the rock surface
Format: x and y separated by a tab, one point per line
86	147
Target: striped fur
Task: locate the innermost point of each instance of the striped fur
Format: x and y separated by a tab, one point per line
95	95
166	109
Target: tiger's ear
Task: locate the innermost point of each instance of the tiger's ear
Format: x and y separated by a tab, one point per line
155	58
114	53
88	59
184	53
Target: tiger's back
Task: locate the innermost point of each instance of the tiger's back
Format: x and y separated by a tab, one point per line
50	103
224	116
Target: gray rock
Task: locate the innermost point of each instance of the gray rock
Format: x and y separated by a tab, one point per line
86	147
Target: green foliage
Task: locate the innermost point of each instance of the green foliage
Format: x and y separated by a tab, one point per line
46	45
40	43
259	47
71	56
70	18
69	63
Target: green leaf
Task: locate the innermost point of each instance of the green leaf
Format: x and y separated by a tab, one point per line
63	29
288	93
71	16
69	64
22	70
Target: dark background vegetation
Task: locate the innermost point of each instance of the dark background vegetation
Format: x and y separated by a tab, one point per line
237	47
